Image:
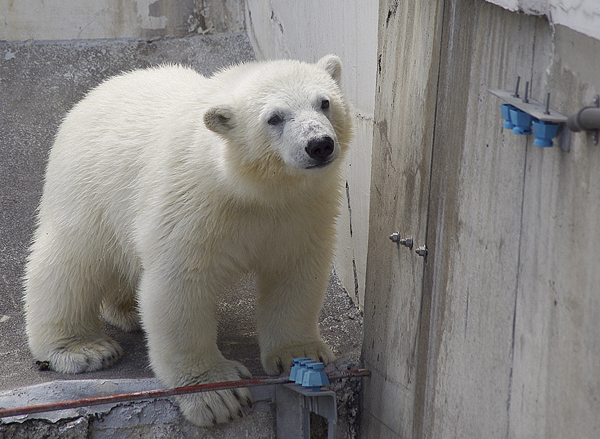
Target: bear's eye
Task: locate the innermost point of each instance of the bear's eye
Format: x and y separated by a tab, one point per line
325	104
275	120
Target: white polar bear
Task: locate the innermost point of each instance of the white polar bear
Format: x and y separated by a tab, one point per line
162	187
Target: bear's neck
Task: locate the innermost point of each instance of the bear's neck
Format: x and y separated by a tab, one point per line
273	183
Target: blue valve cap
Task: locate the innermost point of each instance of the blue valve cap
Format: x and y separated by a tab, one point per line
505	111
296	367
544	132
315	377
303	368
544	143
521	121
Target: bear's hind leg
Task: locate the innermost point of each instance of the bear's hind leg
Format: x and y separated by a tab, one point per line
62	301
119	307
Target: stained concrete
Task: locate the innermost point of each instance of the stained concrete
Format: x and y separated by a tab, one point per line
156	418
39	83
495	333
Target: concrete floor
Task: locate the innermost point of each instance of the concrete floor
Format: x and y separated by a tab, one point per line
39	82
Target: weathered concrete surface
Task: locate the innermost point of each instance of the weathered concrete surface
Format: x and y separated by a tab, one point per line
39	82
555	391
152	418
499	337
93	19
87	19
580	15
403	139
474	224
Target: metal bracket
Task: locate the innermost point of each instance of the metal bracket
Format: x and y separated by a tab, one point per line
541	112
294	405
531	106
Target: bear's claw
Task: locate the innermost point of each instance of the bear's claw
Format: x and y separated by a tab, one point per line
212	408
280	360
216	407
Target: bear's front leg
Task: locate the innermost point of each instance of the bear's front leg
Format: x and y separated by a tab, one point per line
289	303
178	315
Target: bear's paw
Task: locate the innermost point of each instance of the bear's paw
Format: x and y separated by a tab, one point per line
280	360
211	408
79	356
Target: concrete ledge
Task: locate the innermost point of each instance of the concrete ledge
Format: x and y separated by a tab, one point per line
156	418
149	418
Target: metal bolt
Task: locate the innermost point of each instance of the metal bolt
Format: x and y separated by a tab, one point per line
421	251
407	242
527	91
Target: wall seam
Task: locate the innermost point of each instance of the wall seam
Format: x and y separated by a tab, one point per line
426	297
517	284
518	277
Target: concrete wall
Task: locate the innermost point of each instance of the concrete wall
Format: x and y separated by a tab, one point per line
307	30
495	333
92	19
580	15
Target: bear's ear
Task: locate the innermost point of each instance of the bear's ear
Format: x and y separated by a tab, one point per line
220	119
332	65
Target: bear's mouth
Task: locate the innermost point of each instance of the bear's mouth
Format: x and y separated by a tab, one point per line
320	165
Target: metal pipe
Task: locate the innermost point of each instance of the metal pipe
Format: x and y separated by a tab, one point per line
162	393
586	119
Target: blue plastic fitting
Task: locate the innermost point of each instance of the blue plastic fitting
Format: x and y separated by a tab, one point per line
296	367
315	377
544	132
521	121
308	373
302	370
505	111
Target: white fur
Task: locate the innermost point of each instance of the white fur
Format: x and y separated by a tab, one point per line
162	187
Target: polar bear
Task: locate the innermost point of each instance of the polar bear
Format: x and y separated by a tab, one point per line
162	188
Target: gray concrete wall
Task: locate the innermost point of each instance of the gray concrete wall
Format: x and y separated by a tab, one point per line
92	19
580	15
495	333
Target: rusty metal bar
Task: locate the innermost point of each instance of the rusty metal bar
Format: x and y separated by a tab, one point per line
162	393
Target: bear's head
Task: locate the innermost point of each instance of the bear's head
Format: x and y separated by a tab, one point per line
283	117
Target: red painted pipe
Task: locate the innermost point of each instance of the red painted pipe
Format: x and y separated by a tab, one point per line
162	393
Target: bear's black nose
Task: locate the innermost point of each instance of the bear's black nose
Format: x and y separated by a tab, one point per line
320	149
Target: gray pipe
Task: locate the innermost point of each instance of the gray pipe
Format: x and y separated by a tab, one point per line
586	119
